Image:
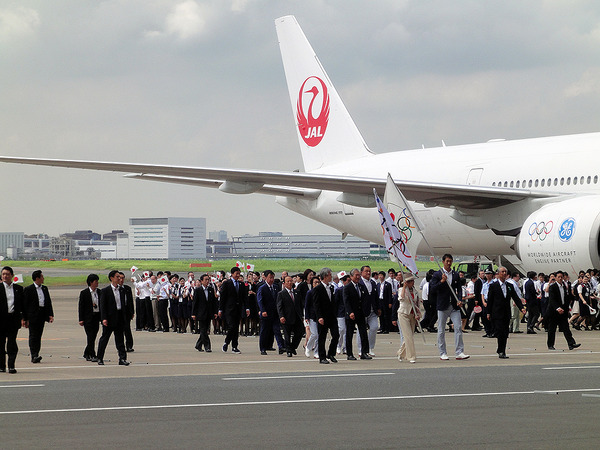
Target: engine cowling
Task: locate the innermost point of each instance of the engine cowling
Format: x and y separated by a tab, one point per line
562	236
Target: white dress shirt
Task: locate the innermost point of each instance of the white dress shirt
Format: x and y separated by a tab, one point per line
10	297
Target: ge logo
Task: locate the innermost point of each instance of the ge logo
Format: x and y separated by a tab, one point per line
567	229
540	230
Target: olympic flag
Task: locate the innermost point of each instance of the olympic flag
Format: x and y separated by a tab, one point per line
395	243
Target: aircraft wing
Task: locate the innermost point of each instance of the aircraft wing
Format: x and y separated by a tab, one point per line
300	184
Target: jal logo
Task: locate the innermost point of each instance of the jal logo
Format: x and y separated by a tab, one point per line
313	110
566	229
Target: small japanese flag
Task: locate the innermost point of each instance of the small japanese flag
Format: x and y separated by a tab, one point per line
163	279
250	267
341	274
239	264
147	273
18	278
213	279
133	269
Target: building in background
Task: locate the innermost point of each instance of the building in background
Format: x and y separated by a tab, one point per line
218	236
11	244
167	238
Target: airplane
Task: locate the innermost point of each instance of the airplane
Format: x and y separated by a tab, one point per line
469	200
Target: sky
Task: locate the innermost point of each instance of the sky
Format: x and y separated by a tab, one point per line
201	83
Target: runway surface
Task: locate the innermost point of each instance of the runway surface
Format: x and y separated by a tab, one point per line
173	396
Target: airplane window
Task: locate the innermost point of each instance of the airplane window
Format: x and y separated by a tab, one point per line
530	183
494	184
518	183
549	181
581	180
555	181
562	181
568	180
589	180
506	184
543	182
595	179
536	183
574	180
512	183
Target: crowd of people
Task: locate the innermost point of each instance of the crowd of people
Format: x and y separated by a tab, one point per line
308	307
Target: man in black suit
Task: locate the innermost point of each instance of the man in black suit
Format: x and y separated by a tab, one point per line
129	312
234	298
112	313
11	319
326	310
499	312
533	302
353	293
267	309
37	311
384	290
290	311
204	309
89	315
557	313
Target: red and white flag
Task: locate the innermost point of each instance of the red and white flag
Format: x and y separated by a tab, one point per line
133	269
147	273
18	278
239	264
163	279
250	267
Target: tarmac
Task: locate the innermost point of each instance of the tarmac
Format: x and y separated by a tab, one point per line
172	395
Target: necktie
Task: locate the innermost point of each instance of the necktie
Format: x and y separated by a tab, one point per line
237	288
358	290
291	295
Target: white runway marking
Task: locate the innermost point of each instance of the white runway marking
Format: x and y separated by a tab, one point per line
21	385
310	376
571	367
288	402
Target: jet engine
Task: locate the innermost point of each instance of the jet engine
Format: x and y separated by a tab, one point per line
562	236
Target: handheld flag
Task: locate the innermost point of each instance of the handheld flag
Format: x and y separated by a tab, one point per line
18	278
394	241
250	267
163	279
147	273
133	269
239	264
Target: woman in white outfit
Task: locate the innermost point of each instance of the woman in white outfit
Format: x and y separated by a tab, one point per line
409	312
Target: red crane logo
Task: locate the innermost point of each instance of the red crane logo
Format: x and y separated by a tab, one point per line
312	129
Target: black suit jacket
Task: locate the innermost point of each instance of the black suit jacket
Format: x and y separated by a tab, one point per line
267	300
290	310
86	307
530	293
203	308
233	302
555	301
129	307
441	293
352	302
10	323
324	307
31	308
372	299
498	306
387	294
108	307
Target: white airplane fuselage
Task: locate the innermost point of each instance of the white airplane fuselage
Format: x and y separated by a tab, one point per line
488	164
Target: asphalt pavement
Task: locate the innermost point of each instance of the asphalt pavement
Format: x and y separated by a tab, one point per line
173	396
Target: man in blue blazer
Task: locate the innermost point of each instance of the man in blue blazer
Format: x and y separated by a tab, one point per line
269	318
445	290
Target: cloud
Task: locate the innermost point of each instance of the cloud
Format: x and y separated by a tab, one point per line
186	21
589	83
18	23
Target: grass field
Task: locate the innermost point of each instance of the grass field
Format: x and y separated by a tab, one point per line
102	267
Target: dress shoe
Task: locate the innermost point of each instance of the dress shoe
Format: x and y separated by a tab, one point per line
462	356
200	349
272	349
235	350
444	357
12	370
289	354
224	348
574	346
36	359
412	361
323	361
502	356
88	358
294	352
93	359
365	357
351	358
332	359
2	369
100	362
518	332
281	351
151	330
130	349
263	352
531	332
208	350
551	348
123	362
